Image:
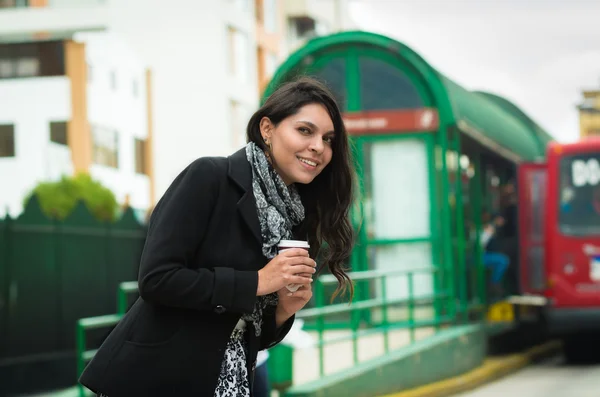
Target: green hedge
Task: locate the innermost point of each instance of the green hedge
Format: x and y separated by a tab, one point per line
58	199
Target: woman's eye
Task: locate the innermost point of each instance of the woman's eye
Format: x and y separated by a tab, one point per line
328	139
304	130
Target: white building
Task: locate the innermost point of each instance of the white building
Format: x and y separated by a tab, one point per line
210	61
306	19
70	101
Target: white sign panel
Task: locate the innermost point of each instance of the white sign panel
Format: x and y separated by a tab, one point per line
585	172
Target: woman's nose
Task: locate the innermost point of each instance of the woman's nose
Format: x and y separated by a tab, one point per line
316	145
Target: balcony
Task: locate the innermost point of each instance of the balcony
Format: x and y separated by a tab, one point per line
59	20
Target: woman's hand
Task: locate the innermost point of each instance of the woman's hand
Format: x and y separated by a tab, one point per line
291	302
292	266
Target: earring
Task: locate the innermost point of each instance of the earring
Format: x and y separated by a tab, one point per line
268	143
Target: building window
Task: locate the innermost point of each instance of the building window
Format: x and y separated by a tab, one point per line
58	132
269	9
113	80
28	67
303	27
105	149
238	123
6	68
140	156
238	54
32	59
13	3
7	140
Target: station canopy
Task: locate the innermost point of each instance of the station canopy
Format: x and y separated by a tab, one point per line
371	73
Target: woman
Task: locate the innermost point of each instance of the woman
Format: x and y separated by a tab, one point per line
212	286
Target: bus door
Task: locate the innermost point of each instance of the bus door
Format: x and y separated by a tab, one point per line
532	180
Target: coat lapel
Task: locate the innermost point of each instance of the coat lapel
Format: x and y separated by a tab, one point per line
241	173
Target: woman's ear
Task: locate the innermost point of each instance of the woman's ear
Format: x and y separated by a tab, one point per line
266	129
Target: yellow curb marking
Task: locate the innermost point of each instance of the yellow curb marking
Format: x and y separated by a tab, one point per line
492	368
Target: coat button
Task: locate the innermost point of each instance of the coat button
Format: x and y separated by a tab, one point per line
220	309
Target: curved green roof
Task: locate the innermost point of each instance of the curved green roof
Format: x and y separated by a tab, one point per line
483	119
543	136
494	122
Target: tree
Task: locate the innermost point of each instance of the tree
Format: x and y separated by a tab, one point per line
58	199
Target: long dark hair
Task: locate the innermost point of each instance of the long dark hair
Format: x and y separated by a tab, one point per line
328	198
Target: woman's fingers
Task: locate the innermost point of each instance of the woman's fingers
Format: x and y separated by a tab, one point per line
300	280
298	269
302	260
293	252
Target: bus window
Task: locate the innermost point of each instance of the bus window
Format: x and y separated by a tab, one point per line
579	194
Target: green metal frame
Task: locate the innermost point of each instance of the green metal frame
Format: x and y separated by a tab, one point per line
431	87
349	41
83	355
359	261
412	323
317	54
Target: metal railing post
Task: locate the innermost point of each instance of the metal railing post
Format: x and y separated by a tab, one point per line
80	342
319	300
411	307
384	314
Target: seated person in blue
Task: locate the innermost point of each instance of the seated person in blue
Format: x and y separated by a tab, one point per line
492	258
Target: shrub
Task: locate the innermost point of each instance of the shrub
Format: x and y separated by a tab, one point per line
58	199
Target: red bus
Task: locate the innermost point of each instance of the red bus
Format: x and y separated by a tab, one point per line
559	209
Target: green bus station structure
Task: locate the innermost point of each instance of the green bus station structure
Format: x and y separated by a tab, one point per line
431	158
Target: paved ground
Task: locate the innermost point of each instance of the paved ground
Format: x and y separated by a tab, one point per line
552	378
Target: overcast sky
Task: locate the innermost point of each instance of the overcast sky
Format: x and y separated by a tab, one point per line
539	54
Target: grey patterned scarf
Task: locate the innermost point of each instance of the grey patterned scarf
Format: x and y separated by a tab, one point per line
279	209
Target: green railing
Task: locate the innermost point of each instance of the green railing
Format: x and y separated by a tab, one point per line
126	288
383	303
320	313
87	324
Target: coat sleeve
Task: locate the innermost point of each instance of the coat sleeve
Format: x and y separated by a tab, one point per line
177	228
271	335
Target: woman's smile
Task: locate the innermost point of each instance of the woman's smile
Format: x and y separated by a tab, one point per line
308	164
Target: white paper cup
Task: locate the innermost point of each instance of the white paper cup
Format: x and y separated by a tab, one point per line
289	244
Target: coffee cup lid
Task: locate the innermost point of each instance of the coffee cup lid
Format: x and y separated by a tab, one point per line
293	244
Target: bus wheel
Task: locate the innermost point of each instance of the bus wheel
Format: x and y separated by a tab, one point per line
576	350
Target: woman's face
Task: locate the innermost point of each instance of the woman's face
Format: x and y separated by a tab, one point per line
301	144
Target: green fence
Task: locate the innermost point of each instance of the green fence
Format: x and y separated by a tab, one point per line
418	311
84	354
53	273
368	317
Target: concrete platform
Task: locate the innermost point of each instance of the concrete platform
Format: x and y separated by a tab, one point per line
340	356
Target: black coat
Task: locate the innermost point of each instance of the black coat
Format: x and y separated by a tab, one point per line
198	274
